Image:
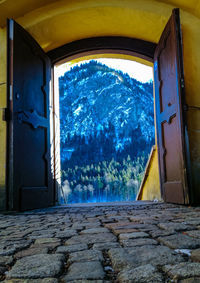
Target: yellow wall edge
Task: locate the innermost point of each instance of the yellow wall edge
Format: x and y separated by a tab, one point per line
150	186
3	104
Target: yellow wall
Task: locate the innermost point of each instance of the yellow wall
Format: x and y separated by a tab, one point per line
2	123
54	23
191	52
150	190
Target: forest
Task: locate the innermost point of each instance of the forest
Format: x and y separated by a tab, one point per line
107	131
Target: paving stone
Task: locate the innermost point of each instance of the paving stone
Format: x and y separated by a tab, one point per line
37	266
192	221
120	231
141	227
105	246
159	233
94	231
70	249
190	280
4	260
194	233
9	248
91	239
2	270
46	241
38	236
135	256
31	251
89	281
107	221
92	225
180	241
78	226
118	225
142	274
84	270
45	280
138	242
141	219
21	234
184	252
195	255
65	234
87	255
134	235
182	270
174	226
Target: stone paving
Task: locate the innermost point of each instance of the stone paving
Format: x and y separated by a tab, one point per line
131	242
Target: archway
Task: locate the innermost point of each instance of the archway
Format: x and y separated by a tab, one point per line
33	119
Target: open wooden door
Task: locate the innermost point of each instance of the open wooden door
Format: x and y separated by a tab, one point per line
29	177
169	90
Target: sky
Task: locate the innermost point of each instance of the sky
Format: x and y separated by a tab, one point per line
135	70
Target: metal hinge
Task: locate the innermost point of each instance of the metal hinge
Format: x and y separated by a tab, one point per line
185	107
182	83
6	114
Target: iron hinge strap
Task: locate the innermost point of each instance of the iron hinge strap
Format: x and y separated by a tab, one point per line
6	114
187	107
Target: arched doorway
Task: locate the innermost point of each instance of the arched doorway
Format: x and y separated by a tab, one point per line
27	193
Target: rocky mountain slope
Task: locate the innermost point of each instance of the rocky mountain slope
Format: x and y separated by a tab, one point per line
92	96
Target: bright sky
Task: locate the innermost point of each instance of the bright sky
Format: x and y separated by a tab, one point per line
135	70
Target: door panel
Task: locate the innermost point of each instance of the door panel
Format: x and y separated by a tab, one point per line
29	177
168	77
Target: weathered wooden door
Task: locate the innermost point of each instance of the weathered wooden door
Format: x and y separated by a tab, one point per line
29	173
169	90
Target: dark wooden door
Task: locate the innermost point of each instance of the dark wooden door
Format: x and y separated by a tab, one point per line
169	90
29	174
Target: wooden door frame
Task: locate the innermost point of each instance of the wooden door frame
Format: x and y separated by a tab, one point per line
116	45
93	46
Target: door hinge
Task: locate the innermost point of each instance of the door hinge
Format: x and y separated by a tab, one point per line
6	114
185	107
182	83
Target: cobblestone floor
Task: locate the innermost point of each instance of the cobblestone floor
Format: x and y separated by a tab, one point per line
138	242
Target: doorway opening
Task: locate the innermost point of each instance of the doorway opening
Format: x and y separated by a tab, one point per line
105	121
29	109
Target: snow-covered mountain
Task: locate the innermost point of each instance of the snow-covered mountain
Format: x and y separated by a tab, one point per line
92	96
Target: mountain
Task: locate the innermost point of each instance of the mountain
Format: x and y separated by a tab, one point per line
93	95
106	118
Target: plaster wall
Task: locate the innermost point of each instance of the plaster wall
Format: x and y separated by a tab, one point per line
151	187
2	123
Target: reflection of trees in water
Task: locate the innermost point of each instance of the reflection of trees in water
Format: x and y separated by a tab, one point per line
104	181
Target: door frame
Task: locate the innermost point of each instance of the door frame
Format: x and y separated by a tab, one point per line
107	44
119	45
102	45
85	47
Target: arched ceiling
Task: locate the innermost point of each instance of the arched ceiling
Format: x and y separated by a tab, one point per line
16	9
53	23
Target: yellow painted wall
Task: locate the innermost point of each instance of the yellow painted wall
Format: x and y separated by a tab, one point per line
151	187
2	123
191	52
54	23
